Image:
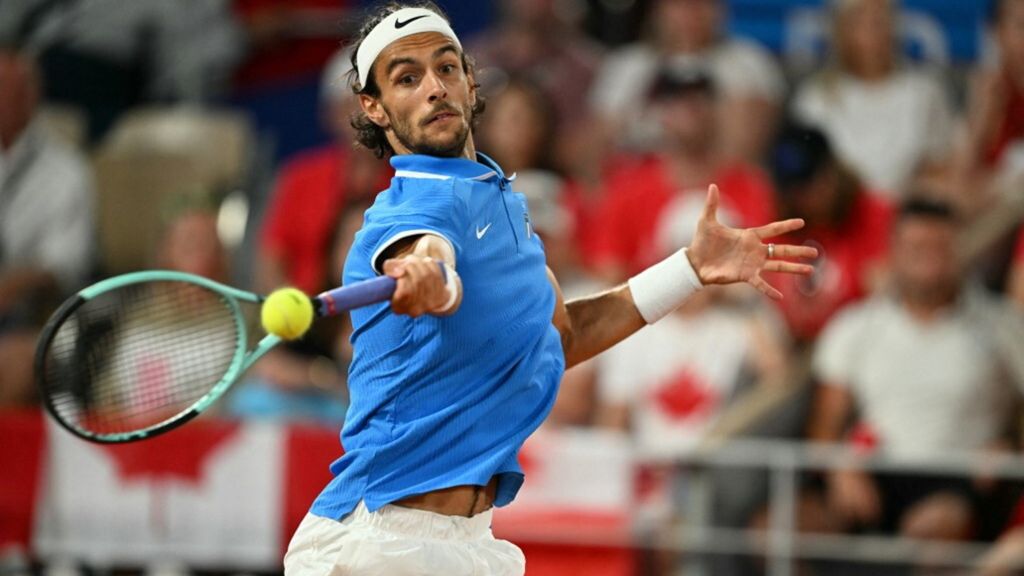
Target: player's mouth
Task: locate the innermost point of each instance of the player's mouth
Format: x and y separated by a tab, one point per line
441	116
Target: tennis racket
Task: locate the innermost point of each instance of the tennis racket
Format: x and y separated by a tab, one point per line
140	354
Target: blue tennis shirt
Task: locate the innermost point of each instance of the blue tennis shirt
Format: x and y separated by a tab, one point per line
447	401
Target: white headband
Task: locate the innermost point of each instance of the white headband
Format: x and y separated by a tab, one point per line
398	24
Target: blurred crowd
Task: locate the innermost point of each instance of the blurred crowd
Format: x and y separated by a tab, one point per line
908	173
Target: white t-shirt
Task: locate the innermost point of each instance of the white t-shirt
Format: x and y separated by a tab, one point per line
46	207
740	69
924	389
676	375
884	129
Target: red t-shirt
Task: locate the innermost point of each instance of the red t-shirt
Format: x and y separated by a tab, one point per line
303	212
846	254
645	214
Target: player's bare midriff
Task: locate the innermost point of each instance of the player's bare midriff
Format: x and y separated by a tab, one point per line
455	501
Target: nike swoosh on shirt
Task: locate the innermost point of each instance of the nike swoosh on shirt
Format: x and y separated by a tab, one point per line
399	24
481	231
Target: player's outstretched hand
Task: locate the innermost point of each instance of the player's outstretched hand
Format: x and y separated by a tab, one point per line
723	255
420	288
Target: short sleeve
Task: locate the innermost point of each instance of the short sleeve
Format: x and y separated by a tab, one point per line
836	354
413	207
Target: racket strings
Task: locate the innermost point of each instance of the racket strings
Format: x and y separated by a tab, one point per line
134	357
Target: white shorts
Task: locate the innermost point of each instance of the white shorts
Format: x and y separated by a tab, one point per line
396	541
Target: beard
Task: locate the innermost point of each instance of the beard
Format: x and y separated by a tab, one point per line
441	147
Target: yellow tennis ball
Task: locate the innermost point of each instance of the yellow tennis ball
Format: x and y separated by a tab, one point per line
287	313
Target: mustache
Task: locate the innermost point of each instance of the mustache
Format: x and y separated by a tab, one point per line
441	109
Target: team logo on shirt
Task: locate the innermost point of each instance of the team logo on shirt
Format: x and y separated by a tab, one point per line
481	231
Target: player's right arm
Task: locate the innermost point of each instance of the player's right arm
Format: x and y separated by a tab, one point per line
421	284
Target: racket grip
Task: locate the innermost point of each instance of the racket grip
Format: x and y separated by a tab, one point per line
356	295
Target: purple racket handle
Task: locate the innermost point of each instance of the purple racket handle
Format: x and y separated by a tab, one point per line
356	295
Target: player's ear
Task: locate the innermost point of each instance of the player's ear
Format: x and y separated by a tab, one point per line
374	110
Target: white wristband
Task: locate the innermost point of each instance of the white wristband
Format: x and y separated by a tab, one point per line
661	288
450	284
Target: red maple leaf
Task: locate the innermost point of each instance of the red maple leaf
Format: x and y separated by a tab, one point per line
180	454
685	395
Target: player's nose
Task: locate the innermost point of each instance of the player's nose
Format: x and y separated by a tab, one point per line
436	87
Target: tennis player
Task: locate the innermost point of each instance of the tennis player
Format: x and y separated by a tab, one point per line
450	378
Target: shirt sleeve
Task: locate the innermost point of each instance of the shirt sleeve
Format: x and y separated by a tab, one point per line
413	207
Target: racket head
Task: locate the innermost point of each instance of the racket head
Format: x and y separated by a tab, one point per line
140	354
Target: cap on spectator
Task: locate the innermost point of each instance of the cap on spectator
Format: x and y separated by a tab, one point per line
682	78
799	153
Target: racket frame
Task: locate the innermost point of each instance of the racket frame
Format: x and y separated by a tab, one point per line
240	362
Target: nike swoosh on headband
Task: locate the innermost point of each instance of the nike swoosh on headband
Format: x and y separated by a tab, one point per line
399	24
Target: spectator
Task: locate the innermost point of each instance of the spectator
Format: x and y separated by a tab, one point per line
669	384
995	114
848	225
641	194
313	189
689	32
532	39
890	122
46	223
107	57
930	370
189	241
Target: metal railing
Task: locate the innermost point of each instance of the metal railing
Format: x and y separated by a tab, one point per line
781	543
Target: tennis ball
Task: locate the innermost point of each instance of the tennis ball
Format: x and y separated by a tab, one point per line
287	313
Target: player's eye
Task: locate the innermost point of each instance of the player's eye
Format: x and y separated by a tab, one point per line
407	80
447	68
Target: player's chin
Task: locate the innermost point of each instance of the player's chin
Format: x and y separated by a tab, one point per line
444	143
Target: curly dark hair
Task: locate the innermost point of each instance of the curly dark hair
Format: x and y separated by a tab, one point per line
368	134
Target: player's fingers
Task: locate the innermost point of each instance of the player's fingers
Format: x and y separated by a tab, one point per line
765	288
400	300
788	267
394	267
711	204
790	251
429	284
779	228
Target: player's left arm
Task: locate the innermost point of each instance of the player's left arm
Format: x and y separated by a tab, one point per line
717	255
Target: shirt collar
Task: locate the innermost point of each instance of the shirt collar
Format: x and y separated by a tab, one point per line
437	168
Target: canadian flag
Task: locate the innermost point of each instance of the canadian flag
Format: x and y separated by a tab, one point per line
219	494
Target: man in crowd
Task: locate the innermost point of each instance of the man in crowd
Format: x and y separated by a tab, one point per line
46	222
930	369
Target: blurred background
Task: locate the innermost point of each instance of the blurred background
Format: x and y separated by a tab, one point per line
869	423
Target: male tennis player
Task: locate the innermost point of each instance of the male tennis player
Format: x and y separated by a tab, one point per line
449	379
